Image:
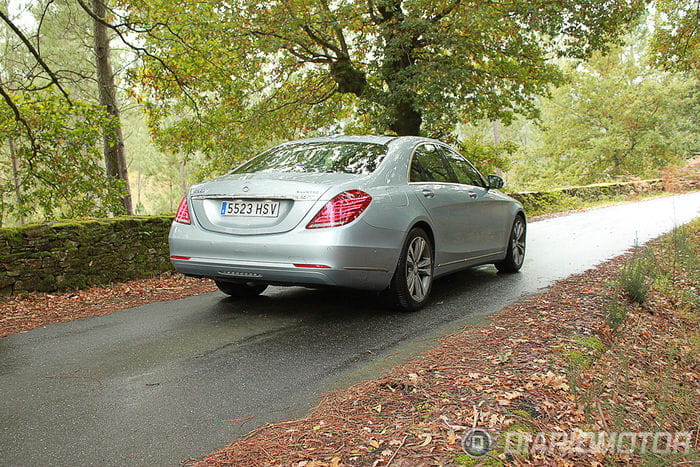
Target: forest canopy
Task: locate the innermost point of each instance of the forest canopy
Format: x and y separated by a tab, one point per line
116	107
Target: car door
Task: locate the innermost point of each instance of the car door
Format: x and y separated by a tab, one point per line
488	216
435	185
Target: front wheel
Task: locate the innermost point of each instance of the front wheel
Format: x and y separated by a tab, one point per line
241	290
516	248
413	278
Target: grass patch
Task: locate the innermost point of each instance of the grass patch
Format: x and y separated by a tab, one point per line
644	378
637	276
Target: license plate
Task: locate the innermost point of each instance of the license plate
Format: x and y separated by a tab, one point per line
250	208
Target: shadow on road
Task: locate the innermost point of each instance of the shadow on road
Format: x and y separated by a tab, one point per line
336	304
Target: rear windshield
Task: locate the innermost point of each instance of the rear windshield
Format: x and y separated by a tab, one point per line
335	157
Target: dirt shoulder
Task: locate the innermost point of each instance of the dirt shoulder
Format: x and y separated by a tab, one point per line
579	358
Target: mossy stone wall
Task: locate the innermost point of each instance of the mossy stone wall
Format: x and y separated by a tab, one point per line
538	202
77	254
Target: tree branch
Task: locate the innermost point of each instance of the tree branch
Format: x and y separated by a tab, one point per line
41	22
338	30
144	51
20	119
446	11
35	53
321	41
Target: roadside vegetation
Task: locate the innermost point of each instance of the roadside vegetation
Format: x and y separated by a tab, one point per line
111	108
613	350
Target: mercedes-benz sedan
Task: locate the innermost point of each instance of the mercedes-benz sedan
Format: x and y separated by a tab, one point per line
381	213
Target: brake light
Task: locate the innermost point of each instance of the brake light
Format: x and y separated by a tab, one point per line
312	266
341	210
183	212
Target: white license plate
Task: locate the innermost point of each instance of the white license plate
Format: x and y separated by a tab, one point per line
250	208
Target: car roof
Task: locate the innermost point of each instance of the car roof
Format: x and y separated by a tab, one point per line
375	139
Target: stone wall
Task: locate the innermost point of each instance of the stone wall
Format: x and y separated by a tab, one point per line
81	253
538	202
77	254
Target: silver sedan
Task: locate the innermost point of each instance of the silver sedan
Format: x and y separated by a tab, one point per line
381	213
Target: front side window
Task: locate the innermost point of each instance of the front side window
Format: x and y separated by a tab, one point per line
466	173
429	165
329	157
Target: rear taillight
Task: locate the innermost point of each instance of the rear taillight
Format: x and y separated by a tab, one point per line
341	210
183	212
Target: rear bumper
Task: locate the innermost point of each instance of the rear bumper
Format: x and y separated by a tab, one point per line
357	255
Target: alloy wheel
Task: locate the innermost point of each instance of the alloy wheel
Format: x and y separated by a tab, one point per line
518	241
419	270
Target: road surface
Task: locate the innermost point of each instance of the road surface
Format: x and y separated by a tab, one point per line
160	383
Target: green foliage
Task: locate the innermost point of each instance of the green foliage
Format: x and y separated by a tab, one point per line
636	279
489	158
676	41
578	197
615	119
240	76
616	314
580	355
59	173
682	262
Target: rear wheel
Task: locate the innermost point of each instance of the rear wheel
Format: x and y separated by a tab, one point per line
242	290
413	278
516	247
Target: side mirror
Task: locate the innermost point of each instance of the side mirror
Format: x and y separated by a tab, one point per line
495	182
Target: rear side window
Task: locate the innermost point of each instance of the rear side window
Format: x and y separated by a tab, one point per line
465	172
429	165
333	157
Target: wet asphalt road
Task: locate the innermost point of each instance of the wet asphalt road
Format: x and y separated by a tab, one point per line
156	384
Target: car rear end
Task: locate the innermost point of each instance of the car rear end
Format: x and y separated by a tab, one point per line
290	228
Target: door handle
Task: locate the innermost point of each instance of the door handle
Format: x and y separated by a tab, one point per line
472	195
428	193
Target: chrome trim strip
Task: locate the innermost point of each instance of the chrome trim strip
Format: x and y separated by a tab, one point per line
469	259
366	269
249	196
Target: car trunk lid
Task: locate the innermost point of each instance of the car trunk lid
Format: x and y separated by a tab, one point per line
261	203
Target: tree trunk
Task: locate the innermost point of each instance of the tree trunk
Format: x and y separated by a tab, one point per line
114	154
15	181
183	176
407	120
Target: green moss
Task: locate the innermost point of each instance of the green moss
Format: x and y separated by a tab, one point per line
522	413
110	249
78	281
485	461
591	343
586	351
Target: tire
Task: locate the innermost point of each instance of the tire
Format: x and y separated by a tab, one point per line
413	279
515	255
241	290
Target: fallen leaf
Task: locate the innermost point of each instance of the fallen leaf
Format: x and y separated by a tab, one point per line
428	439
